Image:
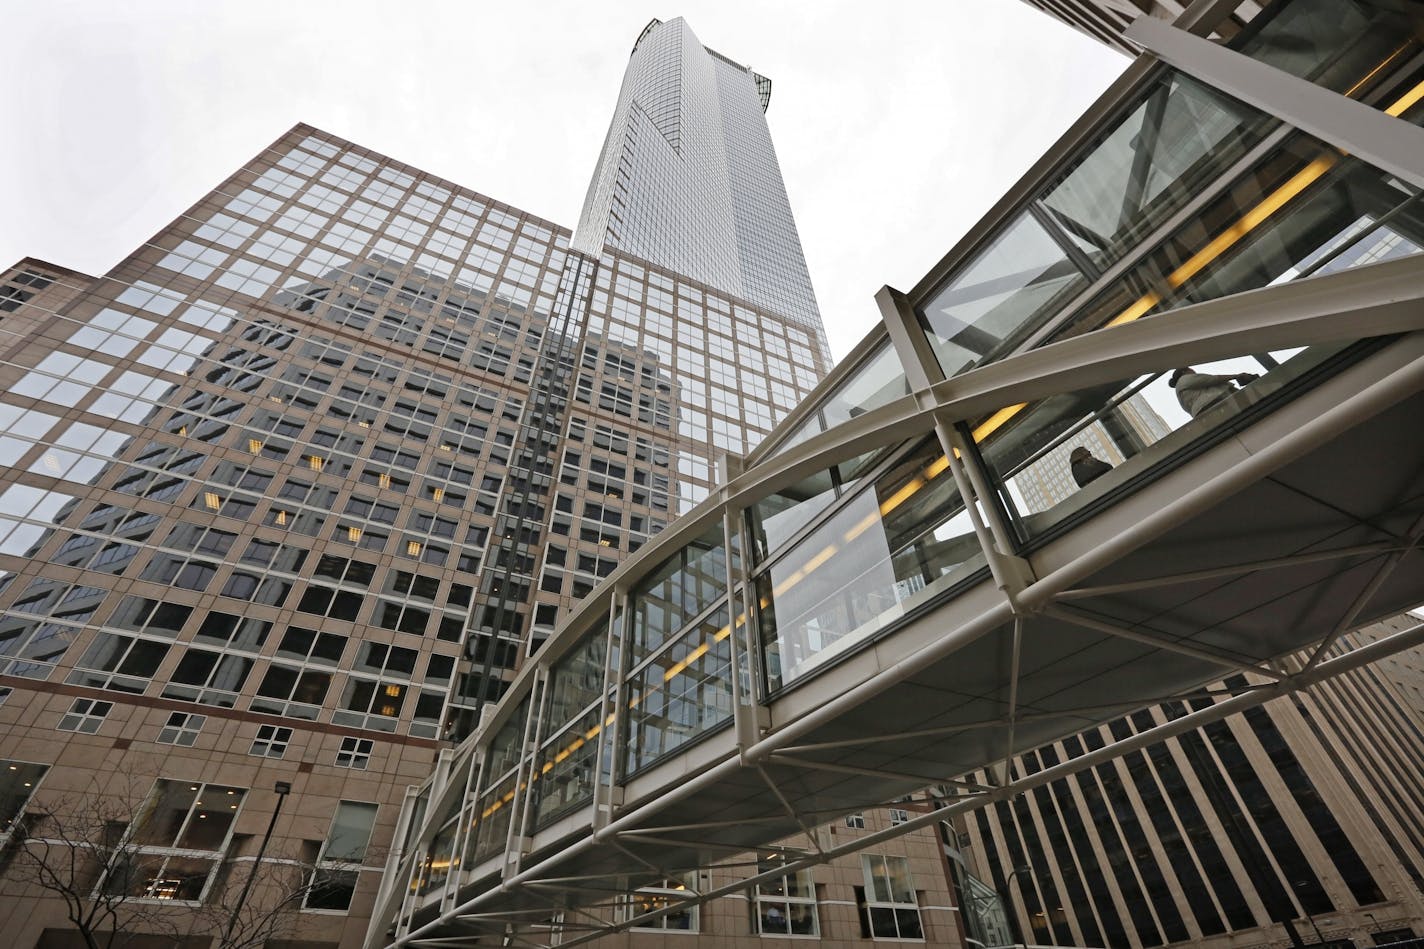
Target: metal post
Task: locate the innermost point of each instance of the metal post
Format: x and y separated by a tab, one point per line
609	708
282	789
1007	899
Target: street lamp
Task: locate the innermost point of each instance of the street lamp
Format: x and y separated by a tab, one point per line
282	789
1013	917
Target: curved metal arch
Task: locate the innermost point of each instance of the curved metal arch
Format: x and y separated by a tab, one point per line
1381	300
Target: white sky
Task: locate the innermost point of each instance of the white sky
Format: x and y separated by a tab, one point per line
897	124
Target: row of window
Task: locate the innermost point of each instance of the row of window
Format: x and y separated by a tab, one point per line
887	903
86	716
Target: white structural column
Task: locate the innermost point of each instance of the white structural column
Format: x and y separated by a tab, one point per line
1381	139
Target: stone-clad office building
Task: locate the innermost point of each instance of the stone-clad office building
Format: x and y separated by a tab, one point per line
291	491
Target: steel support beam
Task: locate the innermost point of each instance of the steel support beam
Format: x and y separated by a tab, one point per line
1080	618
1231	570
1390	645
1387	143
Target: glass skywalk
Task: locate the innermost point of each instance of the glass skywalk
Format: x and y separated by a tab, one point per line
1196	271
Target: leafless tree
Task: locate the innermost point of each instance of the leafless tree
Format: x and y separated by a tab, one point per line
78	849
83	850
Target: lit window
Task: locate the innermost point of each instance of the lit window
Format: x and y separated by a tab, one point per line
18	780
786	906
178	841
662	895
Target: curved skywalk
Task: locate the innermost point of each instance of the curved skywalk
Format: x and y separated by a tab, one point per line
881	636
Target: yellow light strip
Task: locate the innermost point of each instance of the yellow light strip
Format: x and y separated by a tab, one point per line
1252	219
996	420
1403	103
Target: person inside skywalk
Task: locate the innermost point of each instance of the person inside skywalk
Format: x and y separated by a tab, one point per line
1086	466
1199	391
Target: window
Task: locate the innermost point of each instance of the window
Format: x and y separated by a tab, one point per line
178	841
855	821
898	816
888	907
85	716
211	678
18	780
292	691
121	663
339	864
787	906
370	704
355	753
665	893
271	741
182	728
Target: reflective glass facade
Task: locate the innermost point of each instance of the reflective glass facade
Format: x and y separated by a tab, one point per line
688	177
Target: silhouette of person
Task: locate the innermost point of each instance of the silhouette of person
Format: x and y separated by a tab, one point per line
1199	391
1087	468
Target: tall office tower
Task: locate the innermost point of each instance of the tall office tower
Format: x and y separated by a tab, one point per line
688	178
1299	822
291	492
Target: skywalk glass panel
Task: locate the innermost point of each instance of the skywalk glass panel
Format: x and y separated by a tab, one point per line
897	543
564	770
1303	209
681	694
879	381
1022	275
685	584
1351	46
1178	138
1064	455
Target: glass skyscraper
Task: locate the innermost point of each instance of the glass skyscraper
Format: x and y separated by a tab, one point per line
688	177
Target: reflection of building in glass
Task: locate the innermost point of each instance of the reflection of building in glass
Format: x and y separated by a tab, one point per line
1112	436
292	492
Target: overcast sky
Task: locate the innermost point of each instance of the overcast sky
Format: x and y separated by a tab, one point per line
897	124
